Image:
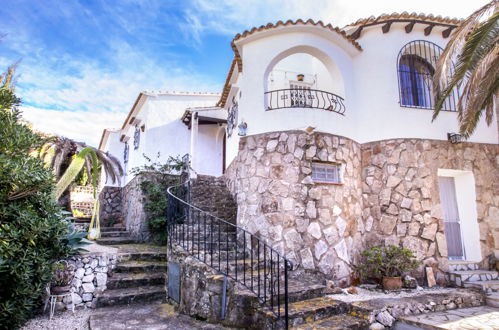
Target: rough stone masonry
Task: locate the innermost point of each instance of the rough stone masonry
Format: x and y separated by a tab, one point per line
388	194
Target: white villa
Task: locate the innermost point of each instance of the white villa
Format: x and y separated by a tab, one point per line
324	136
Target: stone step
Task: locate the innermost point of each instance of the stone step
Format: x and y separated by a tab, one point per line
461	276
106	229
336	322
224	254
129	296
141	267
492	299
296	292
116	240
142	256
129	280
311	310
458	265
114	234
486	286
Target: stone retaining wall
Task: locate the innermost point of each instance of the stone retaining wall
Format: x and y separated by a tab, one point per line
92	271
384	312
110	204
317	226
201	294
134	216
401	202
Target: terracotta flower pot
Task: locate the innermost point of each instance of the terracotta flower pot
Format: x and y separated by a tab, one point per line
60	289
392	283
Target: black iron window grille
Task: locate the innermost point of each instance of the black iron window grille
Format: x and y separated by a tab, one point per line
416	65
304	98
126	152
136	138
232	117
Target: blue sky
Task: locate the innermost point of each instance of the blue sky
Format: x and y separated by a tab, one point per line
84	62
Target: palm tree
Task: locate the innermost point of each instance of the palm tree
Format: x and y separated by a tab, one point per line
470	63
67	158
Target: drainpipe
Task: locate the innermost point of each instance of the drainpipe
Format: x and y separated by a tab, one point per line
194	143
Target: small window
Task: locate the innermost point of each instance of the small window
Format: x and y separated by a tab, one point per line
326	173
136	138
125	153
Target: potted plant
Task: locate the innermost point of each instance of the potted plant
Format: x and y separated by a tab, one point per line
387	263
62	276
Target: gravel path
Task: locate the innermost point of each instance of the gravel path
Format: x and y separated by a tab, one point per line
61	321
368	294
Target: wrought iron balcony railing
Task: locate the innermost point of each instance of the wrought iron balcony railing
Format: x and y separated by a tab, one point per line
304	98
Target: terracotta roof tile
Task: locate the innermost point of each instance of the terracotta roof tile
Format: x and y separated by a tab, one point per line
297	22
406	15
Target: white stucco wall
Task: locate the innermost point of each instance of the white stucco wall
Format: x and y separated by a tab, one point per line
165	133
366	79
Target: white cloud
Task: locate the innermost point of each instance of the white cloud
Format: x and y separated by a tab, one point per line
78	96
233	16
84	126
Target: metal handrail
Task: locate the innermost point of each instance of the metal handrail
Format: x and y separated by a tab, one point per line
304	98
266	264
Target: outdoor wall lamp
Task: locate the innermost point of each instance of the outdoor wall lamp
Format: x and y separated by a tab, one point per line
243	126
454	138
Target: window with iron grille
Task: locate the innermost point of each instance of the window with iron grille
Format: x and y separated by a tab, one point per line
326	173
416	65
136	138
125	153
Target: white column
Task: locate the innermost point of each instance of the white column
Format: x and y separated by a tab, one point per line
194	144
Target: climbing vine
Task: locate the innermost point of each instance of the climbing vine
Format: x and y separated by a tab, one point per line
156	178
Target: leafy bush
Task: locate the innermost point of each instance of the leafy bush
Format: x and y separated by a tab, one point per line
386	261
33	233
157	177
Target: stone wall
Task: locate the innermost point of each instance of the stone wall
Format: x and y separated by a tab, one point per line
317	226
389	195
201	290
401	196
134	216
210	194
110	204
92	271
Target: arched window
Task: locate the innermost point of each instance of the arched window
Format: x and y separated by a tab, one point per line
416	65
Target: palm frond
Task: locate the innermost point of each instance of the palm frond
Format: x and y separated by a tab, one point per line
473	47
451	54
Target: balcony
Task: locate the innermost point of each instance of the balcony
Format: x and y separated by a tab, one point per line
304	98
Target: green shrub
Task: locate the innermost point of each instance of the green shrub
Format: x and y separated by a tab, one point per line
386	261
33	233
157	177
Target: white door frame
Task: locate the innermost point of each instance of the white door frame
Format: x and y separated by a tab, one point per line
466	205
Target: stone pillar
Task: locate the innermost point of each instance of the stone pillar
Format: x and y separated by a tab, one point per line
194	143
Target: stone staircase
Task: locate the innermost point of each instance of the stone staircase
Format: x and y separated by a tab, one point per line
139	276
309	308
114	236
219	245
469	275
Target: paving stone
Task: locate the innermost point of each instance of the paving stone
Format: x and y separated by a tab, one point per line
466	318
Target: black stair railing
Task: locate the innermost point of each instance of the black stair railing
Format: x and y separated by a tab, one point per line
304	98
230	250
